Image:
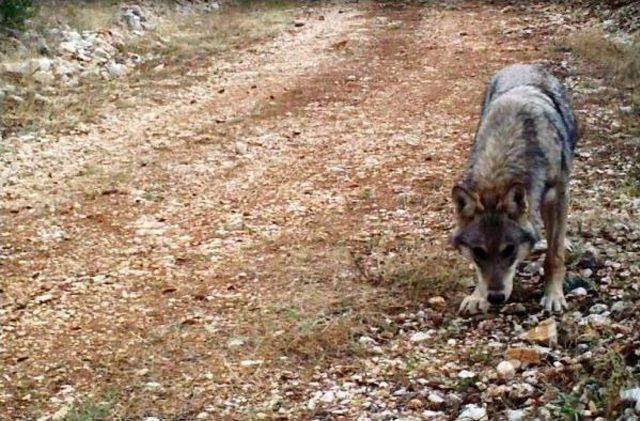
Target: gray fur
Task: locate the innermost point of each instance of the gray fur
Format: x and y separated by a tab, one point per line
527	132
517	180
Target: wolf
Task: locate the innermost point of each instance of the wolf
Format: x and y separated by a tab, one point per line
516	181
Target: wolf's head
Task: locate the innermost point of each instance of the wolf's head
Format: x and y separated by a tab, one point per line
494	232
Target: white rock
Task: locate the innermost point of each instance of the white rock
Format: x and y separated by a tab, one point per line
435	398
632	395
506	370
466	374
16	68
116	70
367	341
328	397
473	412
152	385
515	415
579	291
250	363
41	299
235	343
433	415
43	77
241	148
420	336
598	308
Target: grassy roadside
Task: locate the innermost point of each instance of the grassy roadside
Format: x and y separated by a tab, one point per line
177	42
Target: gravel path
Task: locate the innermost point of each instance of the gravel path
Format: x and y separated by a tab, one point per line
271	242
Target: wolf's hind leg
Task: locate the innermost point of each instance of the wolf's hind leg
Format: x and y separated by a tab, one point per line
554	214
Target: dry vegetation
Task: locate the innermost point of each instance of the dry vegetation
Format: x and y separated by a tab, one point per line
303	259
179	42
617	61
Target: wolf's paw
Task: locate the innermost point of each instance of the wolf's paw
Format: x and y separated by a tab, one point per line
553	301
473	304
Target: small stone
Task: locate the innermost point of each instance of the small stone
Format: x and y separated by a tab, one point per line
351	78
152	385
298	23
472	412
526	356
506	370
515	414
367	341
241	148
546	333
619	307
235	343
41	299
328	397
116	70
632	395
437	302
433	415
250	363
43	77
420	336
580	291
466	374
435	399
598	308
414	404
598	320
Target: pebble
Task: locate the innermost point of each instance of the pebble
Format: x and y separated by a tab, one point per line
580	291
619	307
472	412
435	398
420	336
433	415
526	356
515	414
598	308
241	148
466	374
506	370
546	333
437	302
116	70
235	343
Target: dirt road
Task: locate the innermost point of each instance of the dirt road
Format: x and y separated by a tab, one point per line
263	243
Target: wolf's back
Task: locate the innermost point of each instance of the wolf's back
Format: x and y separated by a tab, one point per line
541	86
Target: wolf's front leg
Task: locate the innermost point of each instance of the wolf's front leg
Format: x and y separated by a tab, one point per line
476	302
555	221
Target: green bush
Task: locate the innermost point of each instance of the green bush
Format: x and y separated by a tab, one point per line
14	13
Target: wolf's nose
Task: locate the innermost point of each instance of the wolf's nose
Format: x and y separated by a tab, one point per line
496	298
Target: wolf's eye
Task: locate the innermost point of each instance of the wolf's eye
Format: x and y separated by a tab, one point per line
508	250
479	254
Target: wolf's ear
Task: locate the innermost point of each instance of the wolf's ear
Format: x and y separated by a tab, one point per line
514	202
466	204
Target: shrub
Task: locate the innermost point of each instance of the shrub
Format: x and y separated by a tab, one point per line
14	13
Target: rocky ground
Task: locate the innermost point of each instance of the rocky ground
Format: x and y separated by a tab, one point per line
267	237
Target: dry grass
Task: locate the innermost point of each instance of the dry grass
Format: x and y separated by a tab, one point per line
620	62
79	15
180	43
411	268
